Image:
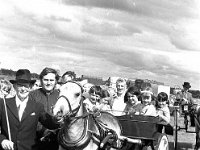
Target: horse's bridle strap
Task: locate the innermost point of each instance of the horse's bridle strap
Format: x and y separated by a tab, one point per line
71	112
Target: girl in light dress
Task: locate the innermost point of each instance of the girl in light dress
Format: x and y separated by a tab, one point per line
146	107
162	107
98	100
131	100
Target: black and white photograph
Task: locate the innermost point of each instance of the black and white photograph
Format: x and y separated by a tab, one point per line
100	74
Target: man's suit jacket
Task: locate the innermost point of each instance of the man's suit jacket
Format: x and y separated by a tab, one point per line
23	133
187	95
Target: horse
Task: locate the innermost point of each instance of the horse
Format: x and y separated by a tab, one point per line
81	129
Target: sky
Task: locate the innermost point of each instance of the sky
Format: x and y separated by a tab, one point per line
146	39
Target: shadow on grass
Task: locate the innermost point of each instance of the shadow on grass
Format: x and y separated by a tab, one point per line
181	146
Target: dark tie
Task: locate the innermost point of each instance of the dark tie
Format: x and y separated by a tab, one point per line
18	109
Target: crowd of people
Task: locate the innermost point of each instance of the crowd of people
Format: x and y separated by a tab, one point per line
26	118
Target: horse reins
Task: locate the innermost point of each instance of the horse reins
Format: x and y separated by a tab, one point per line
71	112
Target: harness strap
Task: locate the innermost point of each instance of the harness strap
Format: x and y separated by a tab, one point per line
103	129
90	120
84	138
71	112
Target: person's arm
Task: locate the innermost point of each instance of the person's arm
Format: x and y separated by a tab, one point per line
48	121
165	115
126	109
150	111
88	105
191	100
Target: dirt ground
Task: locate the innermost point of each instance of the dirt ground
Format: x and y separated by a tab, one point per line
186	140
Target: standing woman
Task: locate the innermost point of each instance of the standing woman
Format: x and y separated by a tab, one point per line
131	100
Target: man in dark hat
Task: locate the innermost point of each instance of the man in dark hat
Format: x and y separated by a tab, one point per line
23	115
187	98
186	95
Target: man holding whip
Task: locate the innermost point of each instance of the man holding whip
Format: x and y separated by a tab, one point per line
20	115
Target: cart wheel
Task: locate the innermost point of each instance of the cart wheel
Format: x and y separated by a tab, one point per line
162	143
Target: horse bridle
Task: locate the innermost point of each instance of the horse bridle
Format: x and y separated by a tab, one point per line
71	112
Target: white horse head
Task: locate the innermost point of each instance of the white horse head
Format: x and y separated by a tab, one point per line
69	98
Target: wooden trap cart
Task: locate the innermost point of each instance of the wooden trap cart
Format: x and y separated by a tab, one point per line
144	133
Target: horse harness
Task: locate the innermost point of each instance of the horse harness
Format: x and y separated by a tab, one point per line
91	119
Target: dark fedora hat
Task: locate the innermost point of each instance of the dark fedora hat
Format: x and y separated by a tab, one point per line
23	76
187	85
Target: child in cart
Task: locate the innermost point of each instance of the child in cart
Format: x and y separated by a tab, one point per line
146	107
131	100
97	100
162	108
163	113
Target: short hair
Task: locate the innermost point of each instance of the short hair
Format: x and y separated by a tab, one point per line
120	80
162	96
47	70
132	90
70	73
96	89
